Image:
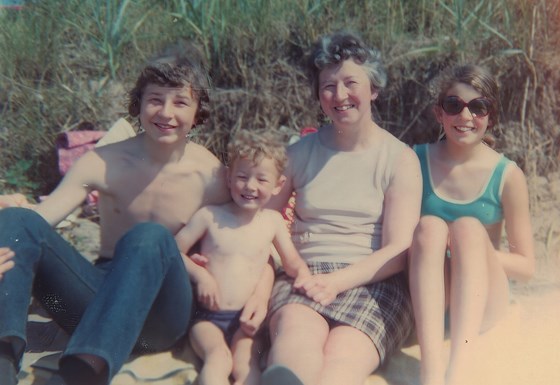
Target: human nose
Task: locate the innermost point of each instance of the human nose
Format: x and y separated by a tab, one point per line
251	184
166	109
466	114
341	93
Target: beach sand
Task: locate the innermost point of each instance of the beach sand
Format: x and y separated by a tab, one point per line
523	349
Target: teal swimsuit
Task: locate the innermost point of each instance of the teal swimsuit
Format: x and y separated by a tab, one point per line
487	208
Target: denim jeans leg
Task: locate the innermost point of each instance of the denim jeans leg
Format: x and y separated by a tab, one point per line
64	280
147	290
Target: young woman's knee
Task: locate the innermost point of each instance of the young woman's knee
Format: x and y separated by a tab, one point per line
431	232
430	227
467	231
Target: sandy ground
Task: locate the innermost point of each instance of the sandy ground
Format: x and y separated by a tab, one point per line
523	349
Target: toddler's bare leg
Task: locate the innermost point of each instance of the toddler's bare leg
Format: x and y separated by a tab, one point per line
246	353
209	344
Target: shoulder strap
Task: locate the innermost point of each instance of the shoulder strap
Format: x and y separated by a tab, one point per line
497	181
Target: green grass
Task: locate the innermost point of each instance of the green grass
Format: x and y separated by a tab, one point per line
65	66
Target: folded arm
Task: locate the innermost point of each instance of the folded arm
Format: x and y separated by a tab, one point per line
519	260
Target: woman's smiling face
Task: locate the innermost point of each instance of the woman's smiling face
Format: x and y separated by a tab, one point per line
464	127
345	93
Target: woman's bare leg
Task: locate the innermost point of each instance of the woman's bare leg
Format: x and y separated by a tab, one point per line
298	336
350	357
427	289
479	293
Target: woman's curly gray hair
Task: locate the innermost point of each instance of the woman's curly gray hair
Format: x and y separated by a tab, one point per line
335	48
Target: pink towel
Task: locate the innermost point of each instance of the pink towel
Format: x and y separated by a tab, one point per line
71	145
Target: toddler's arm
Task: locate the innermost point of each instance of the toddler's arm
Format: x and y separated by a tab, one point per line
292	262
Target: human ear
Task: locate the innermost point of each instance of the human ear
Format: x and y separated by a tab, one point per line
374	94
279	184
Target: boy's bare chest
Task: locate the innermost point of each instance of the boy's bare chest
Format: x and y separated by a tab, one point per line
169	198
254	240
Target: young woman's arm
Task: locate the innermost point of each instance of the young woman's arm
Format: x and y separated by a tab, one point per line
519	260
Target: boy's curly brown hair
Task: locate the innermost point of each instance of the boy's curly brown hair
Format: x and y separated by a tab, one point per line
256	145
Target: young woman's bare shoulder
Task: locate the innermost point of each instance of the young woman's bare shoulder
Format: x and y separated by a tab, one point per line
514	177
199	152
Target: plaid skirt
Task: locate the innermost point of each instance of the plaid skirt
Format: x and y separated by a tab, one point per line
381	310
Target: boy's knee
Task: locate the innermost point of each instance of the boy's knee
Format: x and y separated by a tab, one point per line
15	215
148	247
150	237
148	230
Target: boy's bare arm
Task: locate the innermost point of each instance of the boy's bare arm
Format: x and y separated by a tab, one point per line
207	287
73	189
187	237
192	231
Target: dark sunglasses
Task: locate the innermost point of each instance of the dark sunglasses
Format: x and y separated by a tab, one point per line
454	105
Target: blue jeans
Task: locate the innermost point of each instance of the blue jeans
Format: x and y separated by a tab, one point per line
140	300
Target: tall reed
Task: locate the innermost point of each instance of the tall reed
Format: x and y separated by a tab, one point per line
68	67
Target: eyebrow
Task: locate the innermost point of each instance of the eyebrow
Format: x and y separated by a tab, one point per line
183	96
326	81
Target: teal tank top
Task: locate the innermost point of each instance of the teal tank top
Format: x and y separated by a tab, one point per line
487	207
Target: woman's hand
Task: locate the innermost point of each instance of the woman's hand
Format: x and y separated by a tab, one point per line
321	288
303	275
6	263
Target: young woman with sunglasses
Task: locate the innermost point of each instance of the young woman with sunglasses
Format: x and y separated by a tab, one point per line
455	261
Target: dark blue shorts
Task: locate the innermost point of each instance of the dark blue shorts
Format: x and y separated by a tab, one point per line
226	320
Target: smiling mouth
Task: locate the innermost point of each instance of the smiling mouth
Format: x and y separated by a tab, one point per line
164	126
345	108
464	129
248	197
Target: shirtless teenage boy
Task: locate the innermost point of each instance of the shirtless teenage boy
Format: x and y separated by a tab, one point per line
236	239
138	294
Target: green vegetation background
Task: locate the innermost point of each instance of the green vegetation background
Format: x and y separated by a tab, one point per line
66	65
